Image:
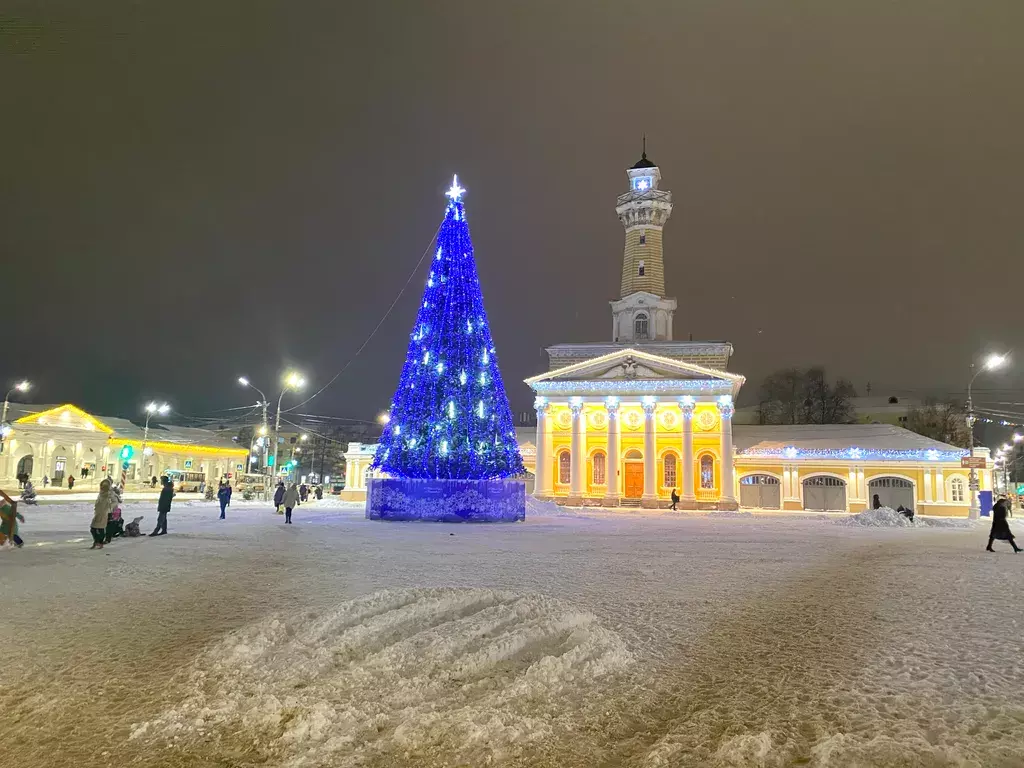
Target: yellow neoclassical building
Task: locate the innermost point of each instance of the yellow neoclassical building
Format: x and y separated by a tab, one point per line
627	421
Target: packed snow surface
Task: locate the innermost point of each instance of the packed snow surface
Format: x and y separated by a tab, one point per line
570	640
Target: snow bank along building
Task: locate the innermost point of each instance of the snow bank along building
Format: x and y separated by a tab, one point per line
625	421
59	441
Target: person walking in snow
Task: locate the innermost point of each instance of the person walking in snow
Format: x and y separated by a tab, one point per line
105	504
71	482
303	493
319	492
876	503
291	500
1000	528
675	500
163	506
279	496
46	480
224	496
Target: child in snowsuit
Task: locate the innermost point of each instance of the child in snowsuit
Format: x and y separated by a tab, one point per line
132	529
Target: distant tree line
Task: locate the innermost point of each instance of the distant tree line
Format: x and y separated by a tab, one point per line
807	396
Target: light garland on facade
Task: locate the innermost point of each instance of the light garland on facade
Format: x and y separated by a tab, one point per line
620	386
846	454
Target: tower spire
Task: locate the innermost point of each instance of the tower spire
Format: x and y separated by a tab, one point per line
643	155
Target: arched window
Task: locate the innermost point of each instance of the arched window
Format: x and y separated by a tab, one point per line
670	471
599	468
640	326
564	464
707	471
956	490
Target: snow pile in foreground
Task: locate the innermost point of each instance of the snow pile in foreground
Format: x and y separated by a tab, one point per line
476	673
883	517
541	508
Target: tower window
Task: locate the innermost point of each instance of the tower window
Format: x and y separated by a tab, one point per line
640	326
643	238
640	268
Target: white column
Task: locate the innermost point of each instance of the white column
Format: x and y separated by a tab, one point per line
927	485
577	449
650	497
542	484
728	496
940	486
687	498
612	492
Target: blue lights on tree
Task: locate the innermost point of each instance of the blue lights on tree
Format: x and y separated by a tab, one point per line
450	416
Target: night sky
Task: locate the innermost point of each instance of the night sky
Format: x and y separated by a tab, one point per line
197	190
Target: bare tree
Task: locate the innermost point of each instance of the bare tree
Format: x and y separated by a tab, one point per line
805	396
944	421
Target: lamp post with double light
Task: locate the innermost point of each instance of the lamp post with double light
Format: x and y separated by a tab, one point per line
151	408
292	381
992	362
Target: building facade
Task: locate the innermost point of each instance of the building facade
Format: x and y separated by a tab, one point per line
629	421
61	441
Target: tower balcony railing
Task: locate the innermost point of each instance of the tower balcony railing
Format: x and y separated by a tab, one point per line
660	195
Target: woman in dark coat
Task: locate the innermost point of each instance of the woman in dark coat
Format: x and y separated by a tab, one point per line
279	497
1000	528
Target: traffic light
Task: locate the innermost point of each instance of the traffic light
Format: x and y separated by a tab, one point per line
127	452
270	460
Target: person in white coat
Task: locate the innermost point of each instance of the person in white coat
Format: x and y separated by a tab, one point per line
106	502
291	500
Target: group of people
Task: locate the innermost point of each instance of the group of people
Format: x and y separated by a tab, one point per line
285	500
107	524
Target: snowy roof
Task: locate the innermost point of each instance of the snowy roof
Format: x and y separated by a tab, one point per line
125	429
884	441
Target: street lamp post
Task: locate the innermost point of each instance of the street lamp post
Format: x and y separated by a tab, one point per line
991	363
21	386
151	408
291	381
263	429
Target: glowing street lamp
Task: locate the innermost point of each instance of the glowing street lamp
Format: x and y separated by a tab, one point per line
292	381
151	408
22	386
992	362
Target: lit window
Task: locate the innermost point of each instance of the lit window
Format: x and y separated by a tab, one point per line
640	327
956	490
670	470
564	462
707	471
643	238
640	268
599	469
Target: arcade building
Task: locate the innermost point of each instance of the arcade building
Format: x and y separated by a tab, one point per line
623	422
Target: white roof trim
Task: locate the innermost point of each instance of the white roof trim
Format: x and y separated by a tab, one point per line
602	361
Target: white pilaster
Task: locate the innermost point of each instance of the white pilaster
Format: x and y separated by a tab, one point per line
940	486
542	484
728	497
612	492
687	498
928	497
650	497
577	450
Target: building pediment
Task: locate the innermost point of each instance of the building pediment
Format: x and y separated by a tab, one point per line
633	369
65	416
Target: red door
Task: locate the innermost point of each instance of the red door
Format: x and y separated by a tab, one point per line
634	480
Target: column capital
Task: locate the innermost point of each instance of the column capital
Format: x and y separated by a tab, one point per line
687	404
576	405
541	404
725	407
611	405
649	404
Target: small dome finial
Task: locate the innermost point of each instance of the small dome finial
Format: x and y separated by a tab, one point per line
643	155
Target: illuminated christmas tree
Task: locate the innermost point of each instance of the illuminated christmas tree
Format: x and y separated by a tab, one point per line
450	418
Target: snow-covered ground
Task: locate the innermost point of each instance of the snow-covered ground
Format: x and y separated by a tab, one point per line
574	639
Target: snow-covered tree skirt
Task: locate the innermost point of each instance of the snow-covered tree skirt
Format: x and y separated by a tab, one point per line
446	501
